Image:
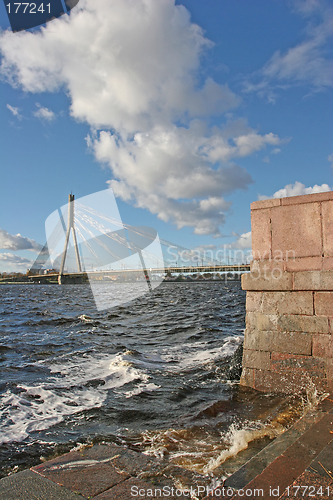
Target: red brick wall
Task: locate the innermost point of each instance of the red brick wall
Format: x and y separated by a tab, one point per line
288	343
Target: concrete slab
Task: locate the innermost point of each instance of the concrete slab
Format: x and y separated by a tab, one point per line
28	485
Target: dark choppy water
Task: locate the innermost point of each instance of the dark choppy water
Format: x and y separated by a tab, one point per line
153	374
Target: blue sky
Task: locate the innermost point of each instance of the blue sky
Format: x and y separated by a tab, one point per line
189	110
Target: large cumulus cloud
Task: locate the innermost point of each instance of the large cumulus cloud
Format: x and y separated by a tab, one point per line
131	70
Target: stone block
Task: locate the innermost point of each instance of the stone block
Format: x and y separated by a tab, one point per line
258	205
313	280
256	359
261	234
267	267
287	302
297	228
327	264
307	198
260	321
322	346
247	377
251	339
329	374
323	303
286	342
314	367
253	301
327	220
302	323
304	264
288	382
284	281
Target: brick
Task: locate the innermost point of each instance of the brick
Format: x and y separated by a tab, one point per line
251	339
247	377
304	264
297	228
253	301
313	280
287	302
286	342
307	198
258	205
302	323
284	282
256	359
323	303
314	367
322	346
259	321
327	221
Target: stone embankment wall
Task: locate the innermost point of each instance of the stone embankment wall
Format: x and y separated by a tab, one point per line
289	305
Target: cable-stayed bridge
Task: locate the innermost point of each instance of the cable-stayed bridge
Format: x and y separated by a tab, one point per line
103	247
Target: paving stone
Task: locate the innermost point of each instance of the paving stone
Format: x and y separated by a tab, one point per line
323	463
326	404
79	458
89	480
133	462
131	489
320	484
258	463
29	485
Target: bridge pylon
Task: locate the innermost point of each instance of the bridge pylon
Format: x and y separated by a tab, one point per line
71	226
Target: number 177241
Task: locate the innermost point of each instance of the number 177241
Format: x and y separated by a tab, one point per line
27	8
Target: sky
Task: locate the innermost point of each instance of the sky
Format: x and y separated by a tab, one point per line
189	110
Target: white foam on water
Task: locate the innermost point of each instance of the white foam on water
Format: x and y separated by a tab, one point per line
239	440
21	415
43	405
198	353
141	388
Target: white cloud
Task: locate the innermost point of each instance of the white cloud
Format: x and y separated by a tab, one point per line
14	111
131	72
243	242
17	242
11	259
330	159
44	113
307	63
297	189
